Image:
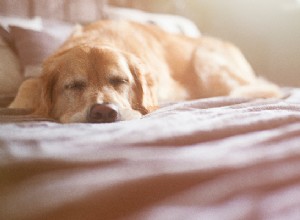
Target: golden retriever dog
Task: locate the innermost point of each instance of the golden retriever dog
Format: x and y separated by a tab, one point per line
119	70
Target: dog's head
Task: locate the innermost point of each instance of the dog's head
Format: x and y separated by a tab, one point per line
93	84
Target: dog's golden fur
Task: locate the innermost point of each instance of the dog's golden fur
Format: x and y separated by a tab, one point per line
136	67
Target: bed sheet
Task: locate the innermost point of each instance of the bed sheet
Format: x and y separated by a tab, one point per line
216	158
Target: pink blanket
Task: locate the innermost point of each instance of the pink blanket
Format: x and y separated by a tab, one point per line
218	158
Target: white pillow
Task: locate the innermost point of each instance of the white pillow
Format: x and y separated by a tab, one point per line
33	23
171	23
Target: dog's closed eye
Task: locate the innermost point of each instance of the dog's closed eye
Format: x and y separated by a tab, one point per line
118	81
77	85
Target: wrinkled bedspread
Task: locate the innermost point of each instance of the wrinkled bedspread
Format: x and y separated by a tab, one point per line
216	158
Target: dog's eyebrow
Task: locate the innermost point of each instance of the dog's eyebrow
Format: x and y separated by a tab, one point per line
125	68
75	77
119	70
115	74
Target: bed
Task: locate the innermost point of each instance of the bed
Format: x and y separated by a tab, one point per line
215	158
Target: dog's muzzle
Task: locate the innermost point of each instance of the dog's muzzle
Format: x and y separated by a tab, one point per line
103	113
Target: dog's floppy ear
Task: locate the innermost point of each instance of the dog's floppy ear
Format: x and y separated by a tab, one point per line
144	98
45	104
28	96
35	94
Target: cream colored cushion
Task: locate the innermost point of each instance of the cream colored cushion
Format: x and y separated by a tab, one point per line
10	74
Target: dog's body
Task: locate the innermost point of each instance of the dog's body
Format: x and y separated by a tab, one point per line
117	70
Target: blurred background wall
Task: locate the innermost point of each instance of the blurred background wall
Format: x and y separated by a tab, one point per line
267	31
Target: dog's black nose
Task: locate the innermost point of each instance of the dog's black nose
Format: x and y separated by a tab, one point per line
103	113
